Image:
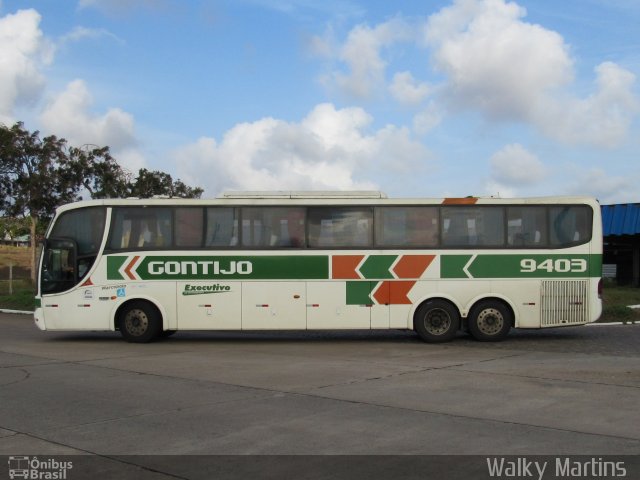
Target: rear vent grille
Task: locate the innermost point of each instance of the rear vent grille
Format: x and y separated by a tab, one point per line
564	302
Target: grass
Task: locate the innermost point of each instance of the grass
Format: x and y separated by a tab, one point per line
615	302
23	289
23	297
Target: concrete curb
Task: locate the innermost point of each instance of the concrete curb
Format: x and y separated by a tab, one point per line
22	312
602	324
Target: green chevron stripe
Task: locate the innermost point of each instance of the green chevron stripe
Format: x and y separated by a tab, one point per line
359	293
377	266
114	264
451	266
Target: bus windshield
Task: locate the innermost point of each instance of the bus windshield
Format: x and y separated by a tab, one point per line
71	248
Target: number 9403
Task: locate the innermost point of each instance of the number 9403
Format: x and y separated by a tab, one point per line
561	265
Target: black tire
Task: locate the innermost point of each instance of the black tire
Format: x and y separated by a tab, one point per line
436	321
139	322
490	321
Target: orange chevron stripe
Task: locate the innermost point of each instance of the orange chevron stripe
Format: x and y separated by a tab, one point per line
344	266
393	292
412	266
130	267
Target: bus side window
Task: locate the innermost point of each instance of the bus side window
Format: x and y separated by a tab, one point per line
326	236
295	227
273	227
570	225
222	227
455	229
404	226
189	227
345	227
526	226
481	226
138	227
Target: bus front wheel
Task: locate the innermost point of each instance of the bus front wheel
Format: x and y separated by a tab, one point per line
139	322
490	321
437	321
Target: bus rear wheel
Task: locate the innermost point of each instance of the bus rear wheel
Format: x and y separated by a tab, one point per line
490	321
139	322
436	321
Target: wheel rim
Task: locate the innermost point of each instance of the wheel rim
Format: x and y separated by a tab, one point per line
437	321
490	321
136	322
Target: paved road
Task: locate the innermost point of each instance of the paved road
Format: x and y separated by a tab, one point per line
554	392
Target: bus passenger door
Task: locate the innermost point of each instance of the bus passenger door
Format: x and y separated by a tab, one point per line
274	306
338	305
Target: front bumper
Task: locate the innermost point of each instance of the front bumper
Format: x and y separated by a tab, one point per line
38	318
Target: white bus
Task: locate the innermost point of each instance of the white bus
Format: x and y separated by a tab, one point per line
321	260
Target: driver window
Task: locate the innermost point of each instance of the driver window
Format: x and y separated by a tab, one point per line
58	269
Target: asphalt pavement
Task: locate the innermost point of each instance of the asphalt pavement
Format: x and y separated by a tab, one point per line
569	391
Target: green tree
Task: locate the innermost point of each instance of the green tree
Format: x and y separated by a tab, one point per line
14	227
32	180
150	183
37	175
97	171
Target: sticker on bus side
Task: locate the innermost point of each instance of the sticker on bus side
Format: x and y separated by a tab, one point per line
520	266
352	267
205	289
276	267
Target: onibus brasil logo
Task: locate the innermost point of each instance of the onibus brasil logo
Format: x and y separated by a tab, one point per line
35	468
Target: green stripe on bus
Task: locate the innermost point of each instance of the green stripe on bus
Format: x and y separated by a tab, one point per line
114	264
451	266
201	267
377	266
521	266
359	293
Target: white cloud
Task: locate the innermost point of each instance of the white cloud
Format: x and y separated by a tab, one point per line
429	118
508	69
328	149
513	166
23	52
499	190
602	119
69	115
608	189
494	61
361	53
81	33
405	89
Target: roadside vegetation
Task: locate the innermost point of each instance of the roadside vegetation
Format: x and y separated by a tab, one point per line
616	298
18	293
616	302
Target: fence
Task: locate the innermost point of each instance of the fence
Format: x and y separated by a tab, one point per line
13	278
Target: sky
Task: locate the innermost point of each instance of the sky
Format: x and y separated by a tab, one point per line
413	98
